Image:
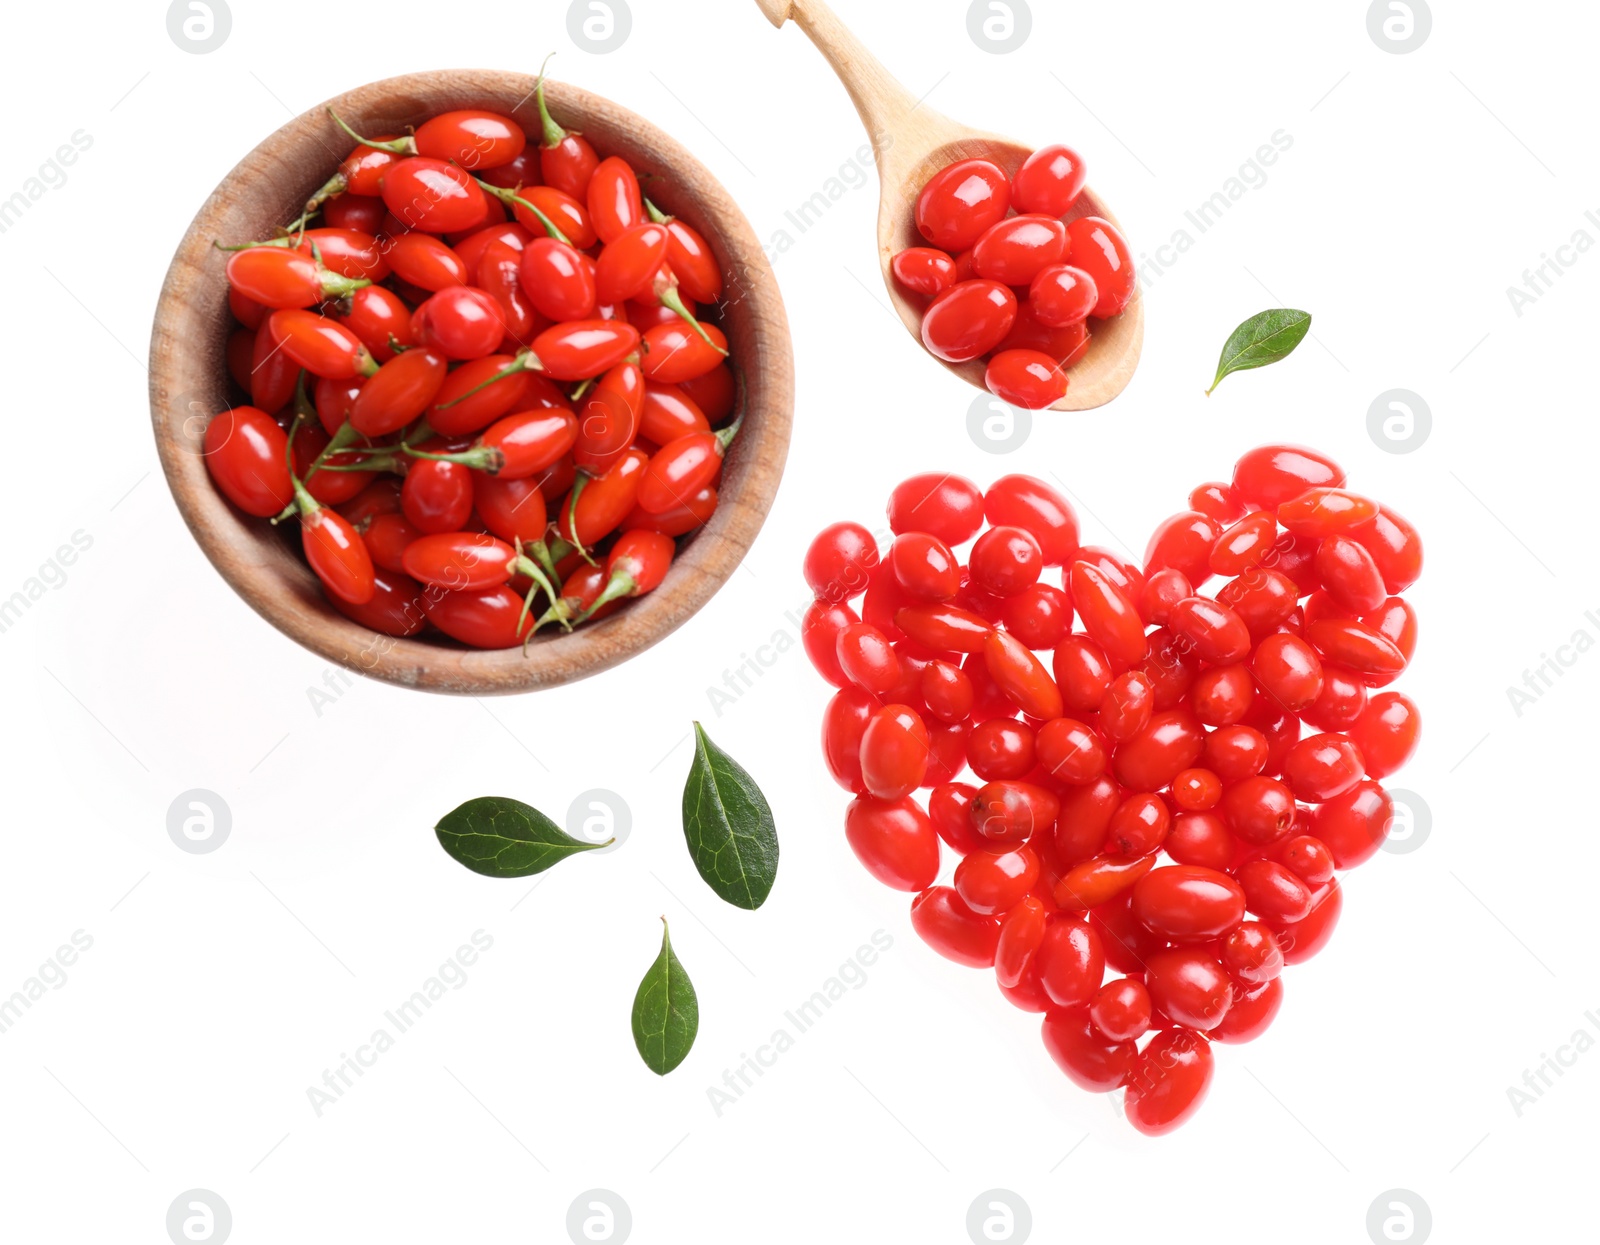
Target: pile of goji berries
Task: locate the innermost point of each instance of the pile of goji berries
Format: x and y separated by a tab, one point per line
1017	290
482	380
1169	792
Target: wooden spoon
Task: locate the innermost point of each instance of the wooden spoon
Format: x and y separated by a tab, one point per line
911	143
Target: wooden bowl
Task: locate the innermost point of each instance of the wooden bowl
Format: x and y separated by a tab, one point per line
189	383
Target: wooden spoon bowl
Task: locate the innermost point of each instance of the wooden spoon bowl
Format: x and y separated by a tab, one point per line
910	144
189	384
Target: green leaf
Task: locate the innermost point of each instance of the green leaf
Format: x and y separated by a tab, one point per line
1264	338
729	826
504	838
666	1013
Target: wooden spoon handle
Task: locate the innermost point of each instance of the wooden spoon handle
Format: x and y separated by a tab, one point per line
884	105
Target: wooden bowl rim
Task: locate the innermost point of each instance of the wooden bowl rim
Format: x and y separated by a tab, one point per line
188	380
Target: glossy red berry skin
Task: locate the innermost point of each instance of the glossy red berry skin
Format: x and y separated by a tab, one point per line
894	840
925	566
946	690
437	496
486	618
679	470
1090	1060
1196	790
337	555
1049	181
512	509
992	882
474	139
1273	474
693	263
395	608
613	197
1000	748
432	195
1395	546
819	635
868	659
1188	902
1319	767
1217	635
1098	248
1026	378
461	322
1138	826
676	354
1202	840
630	262
1082	672
1251	954
1108	616
568	164
1355	646
1318	513
950	810
1307	857
1037	507
273	277
1350	574
1015	250
1258	809
1252	1012
1216	500
923	270
1021	932
1168	1081
1128	706
579	349
844	721
559	280
945	506
1060	295
944	628
246	454
458	560
1273	892
1070	962
1070	752
1183	542
1121	1010
944	921
379	317
1172	742
1188	986
894	754
1006	811
1302	939
322	346
839	561
968	320
1288	670
960	202
1065	344
1386	733
1039	615
1354	824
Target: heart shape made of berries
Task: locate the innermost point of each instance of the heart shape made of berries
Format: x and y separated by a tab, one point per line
1168	797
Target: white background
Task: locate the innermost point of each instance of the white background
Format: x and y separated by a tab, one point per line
219	987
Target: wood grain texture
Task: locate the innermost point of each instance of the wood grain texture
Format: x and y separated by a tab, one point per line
188	383
911	143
